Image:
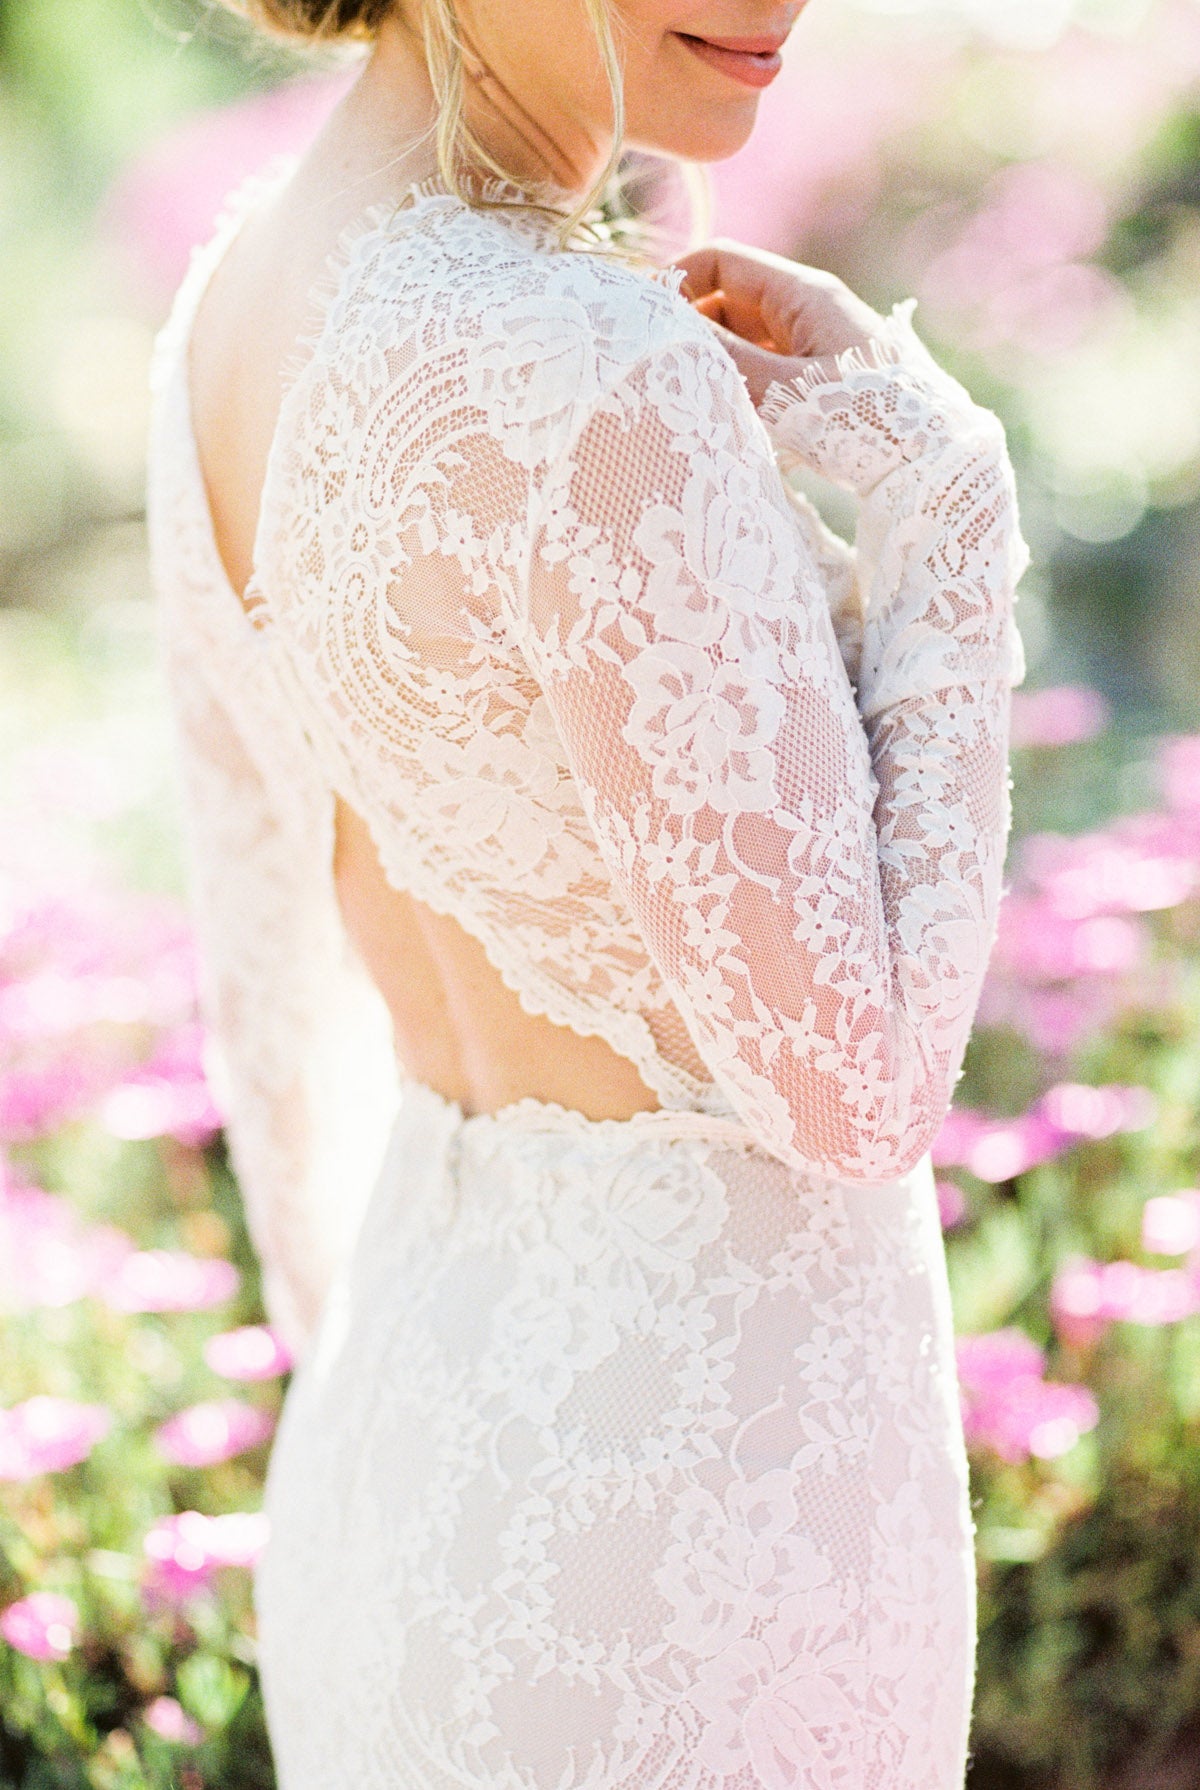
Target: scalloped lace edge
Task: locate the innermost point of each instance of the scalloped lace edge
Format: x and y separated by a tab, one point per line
531	1114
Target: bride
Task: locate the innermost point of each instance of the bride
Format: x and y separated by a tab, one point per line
521	704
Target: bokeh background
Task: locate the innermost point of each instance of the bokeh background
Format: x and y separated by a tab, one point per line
1030	169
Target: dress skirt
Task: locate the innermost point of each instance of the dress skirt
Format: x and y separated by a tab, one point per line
626	1458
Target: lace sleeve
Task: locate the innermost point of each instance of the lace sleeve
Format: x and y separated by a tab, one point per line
299	1050
817	881
836	565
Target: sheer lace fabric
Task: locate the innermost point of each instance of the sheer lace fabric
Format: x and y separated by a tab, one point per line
532	596
529	581
628	1458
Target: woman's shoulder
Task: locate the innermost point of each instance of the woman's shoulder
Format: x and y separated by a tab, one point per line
534	335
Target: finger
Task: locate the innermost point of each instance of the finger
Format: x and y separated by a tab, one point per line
726	263
743	318
712	306
767	299
759	367
721	267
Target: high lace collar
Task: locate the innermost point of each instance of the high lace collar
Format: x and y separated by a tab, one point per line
545	211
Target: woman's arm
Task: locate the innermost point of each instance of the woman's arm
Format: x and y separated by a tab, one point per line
817	885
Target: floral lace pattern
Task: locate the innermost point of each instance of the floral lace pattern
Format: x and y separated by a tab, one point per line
530	582
626	1454
624	1458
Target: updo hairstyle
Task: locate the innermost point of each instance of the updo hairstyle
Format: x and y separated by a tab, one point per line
325	20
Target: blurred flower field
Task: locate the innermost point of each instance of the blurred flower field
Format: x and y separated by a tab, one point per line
1032	172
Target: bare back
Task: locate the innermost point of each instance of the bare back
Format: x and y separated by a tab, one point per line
457	1026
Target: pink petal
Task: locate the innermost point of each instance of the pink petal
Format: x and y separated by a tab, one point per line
961	1130
1023	1416
1171	1223
170	1280
43	1625
169	1096
1077	1304
1087	1296
952	1204
171	1722
214	1431
997	1357
253	1352
184	1551
1090	1112
47	1435
238	1538
1058	717
47	1257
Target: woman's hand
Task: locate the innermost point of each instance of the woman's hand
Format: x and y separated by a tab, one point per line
775	317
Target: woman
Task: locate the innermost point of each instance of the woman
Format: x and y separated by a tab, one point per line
669	831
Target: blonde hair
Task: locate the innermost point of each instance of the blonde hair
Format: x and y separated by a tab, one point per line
462	158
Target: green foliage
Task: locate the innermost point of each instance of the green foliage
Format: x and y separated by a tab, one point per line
80	1723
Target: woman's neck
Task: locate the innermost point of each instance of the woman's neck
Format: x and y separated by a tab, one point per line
521	128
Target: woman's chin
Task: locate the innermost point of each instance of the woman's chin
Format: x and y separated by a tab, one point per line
701	139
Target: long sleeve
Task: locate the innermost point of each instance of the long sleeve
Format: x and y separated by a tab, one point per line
815	875
299	1049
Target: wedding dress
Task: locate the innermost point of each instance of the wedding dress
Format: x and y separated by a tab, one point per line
625	1453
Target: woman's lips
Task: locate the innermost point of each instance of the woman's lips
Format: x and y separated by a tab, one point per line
754	61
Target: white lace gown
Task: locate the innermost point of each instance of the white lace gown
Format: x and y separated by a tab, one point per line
626	1453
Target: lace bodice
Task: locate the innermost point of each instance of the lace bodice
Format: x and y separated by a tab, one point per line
531	593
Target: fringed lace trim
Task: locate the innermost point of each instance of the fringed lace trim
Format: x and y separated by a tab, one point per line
897	344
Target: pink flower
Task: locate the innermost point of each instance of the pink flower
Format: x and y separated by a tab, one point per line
1057	1019
171	1722
1048	313
254	1352
1034	215
961	1130
996	1149
1087	1296
1079	1111
43	1625
1017	274
1047	1420
1000	1149
1008	1406
1171	1223
996	1358
1012	1148
170	1280
47	1258
47	1435
1036	942
1058	717
167	1097
1077	1303
35	1099
184	1551
1164	1296
78	974
95	958
952	1204
214	1431
1139	865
